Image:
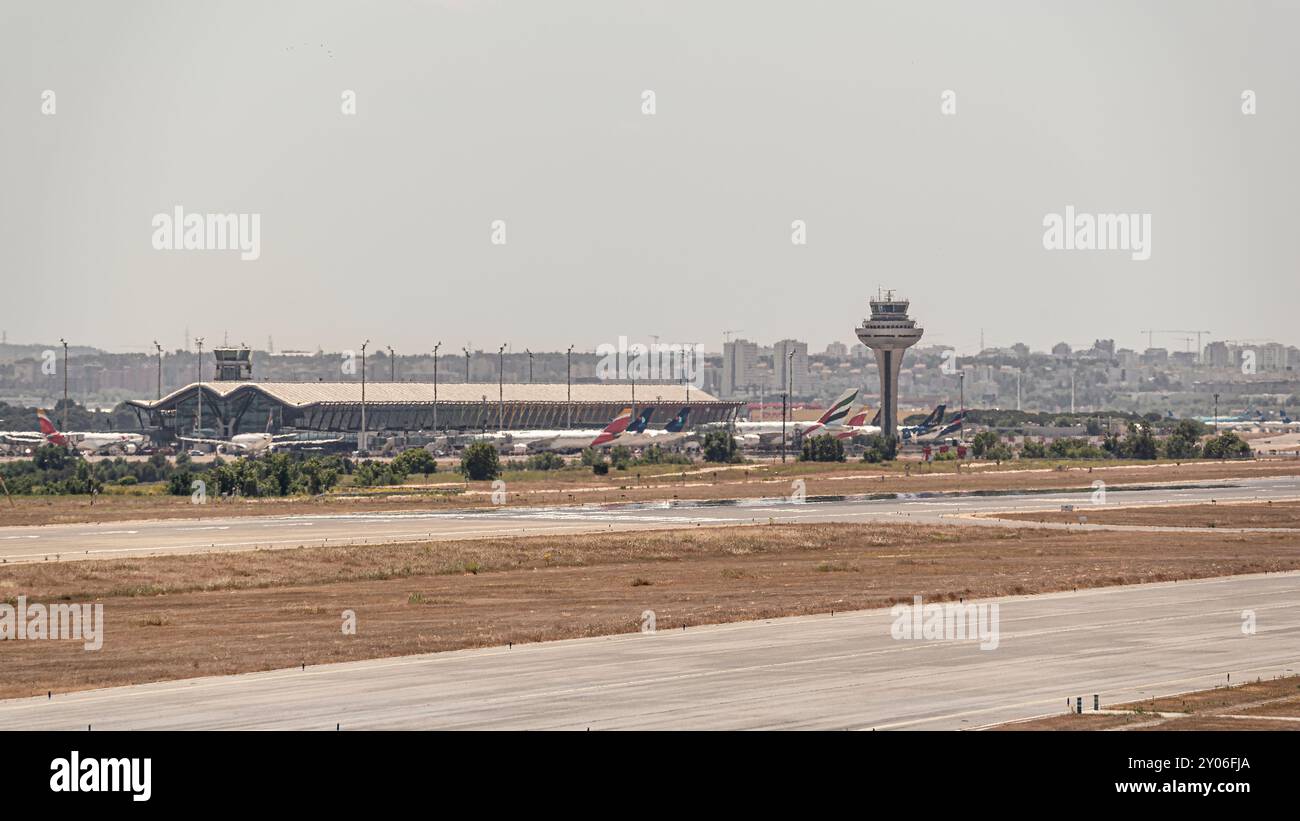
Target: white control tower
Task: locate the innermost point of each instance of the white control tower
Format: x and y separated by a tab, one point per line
888	333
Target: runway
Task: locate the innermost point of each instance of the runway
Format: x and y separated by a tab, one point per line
175	536
841	671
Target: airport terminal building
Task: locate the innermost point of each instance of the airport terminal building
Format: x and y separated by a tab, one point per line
242	406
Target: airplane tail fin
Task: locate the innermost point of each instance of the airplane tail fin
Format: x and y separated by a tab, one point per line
48	430
613	429
859	417
639	424
935	417
678	422
47	427
839	409
875	420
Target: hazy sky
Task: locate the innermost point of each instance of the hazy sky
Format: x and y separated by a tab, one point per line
619	223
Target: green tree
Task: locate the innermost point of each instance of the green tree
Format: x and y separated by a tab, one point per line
719	446
545	460
1227	445
620	456
877	448
1185	441
822	449
982	441
416	460
1140	443
479	461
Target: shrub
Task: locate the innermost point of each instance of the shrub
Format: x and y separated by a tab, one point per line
416	460
720	446
822	449
479	462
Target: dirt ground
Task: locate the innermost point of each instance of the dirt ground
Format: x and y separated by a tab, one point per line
692	482
1256	705
1239	514
183	616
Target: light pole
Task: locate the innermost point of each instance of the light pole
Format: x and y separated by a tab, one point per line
1018	372
530	365
1216	414
361	439
501	387
435	386
392	365
568	381
1071	391
159	347
65	382
961	387
198	362
466	350
789	381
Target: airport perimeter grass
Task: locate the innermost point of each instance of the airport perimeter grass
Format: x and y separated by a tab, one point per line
1272	704
220	613
654	483
1236	514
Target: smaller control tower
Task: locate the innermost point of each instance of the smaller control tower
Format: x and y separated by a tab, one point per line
888	333
233	364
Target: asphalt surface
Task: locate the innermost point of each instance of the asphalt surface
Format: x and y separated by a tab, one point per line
167	537
841	671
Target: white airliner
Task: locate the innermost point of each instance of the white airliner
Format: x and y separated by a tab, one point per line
87	441
575	440
769	432
253	443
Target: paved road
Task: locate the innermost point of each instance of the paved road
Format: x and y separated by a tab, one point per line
164	537
824	672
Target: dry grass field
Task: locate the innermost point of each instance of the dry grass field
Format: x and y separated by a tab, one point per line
447	491
1243	514
1272	704
183	616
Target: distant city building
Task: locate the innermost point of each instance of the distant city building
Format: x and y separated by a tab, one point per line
1219	355
837	349
791	372
739	359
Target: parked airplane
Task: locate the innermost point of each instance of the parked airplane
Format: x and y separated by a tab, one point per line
575	440
927	424
86	441
1247	420
254	443
858	425
948	428
768	432
531	440
671	433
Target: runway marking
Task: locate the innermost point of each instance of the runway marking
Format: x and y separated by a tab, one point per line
363	668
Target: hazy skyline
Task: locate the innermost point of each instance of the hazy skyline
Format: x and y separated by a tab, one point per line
678	224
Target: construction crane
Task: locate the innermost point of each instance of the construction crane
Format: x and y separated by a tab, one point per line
726	335
1200	352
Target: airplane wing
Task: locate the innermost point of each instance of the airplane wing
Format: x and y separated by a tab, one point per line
24	439
300	442
225	442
